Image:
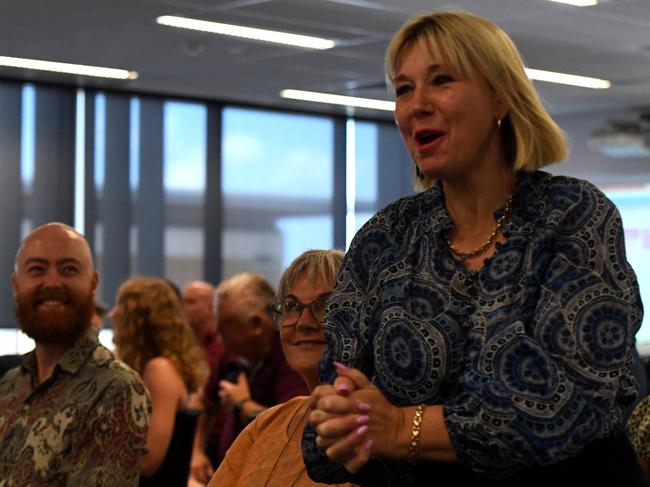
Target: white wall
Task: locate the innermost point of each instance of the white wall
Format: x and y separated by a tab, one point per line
586	163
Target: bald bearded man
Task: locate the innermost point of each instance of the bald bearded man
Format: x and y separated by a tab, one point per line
71	414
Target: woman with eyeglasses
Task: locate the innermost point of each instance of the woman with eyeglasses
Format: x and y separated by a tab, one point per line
267	452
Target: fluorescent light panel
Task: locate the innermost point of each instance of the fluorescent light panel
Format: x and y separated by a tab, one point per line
578	3
67	68
349	101
353	101
568	79
264	35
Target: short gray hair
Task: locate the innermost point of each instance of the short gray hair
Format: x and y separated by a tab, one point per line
323	265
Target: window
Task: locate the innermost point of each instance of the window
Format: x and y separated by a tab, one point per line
382	168
146	190
184	142
366	177
277	182
114	132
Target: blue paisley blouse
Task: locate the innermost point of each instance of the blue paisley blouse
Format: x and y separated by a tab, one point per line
530	356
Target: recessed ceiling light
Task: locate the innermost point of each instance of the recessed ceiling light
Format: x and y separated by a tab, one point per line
273	36
577	3
568	79
350	101
353	101
67	68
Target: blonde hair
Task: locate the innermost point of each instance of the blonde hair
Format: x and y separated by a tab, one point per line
470	44
152	325
323	265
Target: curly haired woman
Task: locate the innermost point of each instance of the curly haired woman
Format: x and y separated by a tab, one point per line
152	336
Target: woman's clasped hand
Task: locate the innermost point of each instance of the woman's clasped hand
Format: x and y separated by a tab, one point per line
355	422
341	416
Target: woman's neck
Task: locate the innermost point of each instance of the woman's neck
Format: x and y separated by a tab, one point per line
471	202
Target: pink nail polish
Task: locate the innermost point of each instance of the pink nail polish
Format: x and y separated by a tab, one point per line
340	367
361	420
367	445
361	430
342	387
362	407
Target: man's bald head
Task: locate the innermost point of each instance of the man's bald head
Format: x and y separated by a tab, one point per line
197	306
61	234
202	288
54	284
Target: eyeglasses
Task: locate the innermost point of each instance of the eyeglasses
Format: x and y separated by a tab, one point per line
289	311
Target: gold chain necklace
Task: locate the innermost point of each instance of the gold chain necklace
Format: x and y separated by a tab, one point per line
484	246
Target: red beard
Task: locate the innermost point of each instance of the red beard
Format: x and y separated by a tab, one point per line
55	326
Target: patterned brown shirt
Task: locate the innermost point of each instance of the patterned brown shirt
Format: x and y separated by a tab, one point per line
638	427
86	425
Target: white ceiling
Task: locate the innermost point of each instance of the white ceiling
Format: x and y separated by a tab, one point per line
611	41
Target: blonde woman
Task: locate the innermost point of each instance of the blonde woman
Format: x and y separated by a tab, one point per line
152	336
485	325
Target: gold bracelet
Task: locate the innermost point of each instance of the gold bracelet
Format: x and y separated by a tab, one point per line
415	431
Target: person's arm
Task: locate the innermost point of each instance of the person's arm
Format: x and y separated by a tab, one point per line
201	468
167	392
355	422
113	435
200	465
287	384
236	397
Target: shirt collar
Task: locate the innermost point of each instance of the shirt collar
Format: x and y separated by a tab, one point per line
435	216
73	358
528	207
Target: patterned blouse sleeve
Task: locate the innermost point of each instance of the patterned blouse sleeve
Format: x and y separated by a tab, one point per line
542	388
113	437
347	344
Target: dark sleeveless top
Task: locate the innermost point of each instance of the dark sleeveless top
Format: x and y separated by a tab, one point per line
175	468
